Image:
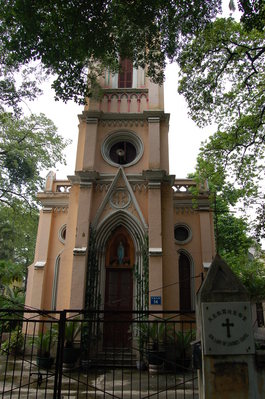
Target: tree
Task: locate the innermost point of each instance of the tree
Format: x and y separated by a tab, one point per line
67	36
223	81
18	228
234	245
27	146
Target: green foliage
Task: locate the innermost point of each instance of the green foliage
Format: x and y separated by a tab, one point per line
234	243
147	31
151	333
222	79
14	343
253	14
45	341
93	298
72	329
183	340
141	275
10	272
27	145
11	297
251	272
18	228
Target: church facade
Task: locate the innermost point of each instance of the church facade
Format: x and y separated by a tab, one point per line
121	233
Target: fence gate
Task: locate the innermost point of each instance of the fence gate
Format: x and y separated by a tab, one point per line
53	354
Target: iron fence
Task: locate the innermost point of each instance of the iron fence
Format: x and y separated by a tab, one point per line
85	354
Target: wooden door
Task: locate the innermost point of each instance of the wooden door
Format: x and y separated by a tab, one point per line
118	297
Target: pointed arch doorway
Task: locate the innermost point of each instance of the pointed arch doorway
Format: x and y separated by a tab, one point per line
119	263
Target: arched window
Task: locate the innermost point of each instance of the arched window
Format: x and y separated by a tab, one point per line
126	73
184	282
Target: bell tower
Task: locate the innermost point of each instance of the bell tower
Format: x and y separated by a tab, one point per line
119	188
121	231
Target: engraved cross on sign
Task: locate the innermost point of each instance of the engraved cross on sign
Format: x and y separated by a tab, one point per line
228	325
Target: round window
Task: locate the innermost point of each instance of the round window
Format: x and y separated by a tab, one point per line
182	233
122	152
122	148
62	233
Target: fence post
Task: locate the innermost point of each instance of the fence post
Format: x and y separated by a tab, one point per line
59	357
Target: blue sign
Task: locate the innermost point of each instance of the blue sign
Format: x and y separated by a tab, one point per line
155	300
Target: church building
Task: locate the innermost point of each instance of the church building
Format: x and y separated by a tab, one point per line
121	233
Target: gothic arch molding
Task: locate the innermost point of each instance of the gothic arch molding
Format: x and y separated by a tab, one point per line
116	219
103	233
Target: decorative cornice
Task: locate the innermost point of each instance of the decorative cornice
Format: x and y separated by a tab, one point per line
79	251
126	90
84	178
59	209
184	210
139	187
102	187
40	264
50	202
158	176
155	252
47	209
154	185
112	117
89	115
152	119
122	122
91	121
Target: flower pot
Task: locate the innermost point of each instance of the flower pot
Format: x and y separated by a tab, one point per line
140	364
70	356
44	362
155	357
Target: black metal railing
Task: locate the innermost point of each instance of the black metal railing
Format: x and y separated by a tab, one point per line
81	353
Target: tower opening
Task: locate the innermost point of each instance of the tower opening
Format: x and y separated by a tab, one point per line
126	73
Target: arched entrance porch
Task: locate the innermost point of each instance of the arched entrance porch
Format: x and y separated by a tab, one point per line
119	254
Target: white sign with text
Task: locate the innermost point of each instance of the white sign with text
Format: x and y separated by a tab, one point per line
227	328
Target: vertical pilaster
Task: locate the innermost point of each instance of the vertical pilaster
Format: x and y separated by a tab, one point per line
90	144
155	240
154	142
80	251
37	270
207	245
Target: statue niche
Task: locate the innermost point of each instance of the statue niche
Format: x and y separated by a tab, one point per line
119	253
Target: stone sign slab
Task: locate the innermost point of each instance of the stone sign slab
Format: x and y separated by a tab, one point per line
227	328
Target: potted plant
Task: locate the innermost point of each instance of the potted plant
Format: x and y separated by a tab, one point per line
141	339
183	340
155	352
70	352
90	335
44	343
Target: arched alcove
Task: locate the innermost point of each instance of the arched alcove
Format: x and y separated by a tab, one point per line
186	283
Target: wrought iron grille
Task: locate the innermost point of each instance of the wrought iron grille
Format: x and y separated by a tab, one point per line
85	354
